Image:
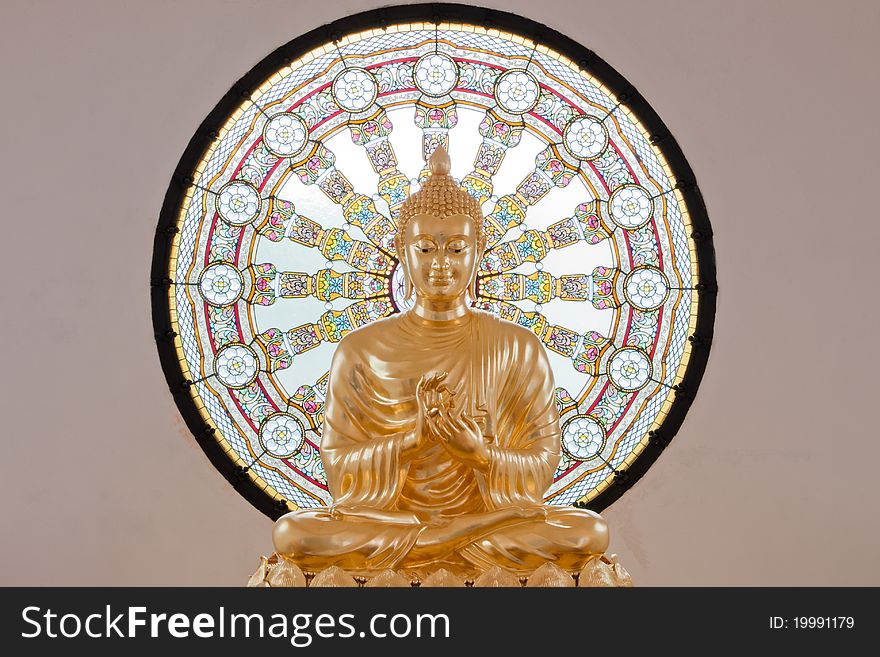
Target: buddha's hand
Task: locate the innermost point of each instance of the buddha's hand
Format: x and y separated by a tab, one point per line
461	436
431	395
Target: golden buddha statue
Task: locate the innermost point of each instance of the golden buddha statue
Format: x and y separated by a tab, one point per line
441	433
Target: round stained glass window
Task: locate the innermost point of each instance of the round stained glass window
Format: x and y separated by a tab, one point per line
275	239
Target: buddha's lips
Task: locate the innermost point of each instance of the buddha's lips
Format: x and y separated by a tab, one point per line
440	281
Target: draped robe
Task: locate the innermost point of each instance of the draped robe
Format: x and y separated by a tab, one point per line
382	503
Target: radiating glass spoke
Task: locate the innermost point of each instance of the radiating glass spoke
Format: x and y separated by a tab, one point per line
435	118
373	134
319	168
282	346
585	225
584	350
267	285
599	288
282	222
499	134
553	168
309	398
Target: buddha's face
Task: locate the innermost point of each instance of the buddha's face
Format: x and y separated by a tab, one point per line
440	255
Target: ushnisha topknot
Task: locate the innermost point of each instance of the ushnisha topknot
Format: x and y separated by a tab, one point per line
440	196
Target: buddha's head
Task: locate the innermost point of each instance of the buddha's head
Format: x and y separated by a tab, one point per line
440	236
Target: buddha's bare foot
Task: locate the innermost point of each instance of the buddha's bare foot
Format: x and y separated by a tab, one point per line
530	512
466	527
436	520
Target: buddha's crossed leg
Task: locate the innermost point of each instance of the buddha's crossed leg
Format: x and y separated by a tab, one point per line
517	539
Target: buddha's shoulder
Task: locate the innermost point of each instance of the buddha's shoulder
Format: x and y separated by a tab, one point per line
368	335
507	330
393	328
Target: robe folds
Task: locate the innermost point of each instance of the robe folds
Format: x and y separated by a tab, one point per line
382	502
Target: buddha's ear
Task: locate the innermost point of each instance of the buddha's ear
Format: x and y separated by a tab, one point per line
480	225
472	289
407	286
401	258
481	252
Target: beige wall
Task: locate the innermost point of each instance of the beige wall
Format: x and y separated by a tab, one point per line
773	478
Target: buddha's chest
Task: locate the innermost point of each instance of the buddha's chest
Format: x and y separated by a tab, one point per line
472	387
